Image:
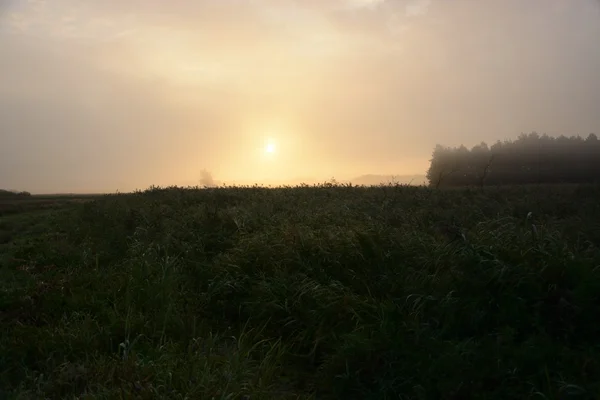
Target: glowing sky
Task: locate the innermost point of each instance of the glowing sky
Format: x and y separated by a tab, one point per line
100	95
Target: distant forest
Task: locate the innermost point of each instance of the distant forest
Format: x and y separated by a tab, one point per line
13	193
532	158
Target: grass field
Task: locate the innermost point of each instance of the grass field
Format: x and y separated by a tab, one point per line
37	203
311	292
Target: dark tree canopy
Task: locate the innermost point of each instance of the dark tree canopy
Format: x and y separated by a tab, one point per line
13	193
531	158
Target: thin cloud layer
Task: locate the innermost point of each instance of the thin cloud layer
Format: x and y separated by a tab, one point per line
417	7
106	95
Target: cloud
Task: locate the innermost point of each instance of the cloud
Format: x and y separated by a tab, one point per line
417	7
364	3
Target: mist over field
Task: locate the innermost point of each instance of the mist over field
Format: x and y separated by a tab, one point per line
108	95
300	199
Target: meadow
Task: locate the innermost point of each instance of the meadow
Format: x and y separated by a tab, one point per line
326	292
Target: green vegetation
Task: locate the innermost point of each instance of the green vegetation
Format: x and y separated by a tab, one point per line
309	292
21	203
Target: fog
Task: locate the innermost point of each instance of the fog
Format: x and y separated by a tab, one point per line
106	95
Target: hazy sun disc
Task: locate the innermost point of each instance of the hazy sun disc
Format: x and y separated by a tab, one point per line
270	148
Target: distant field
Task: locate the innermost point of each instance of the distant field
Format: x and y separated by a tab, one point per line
16	205
312	292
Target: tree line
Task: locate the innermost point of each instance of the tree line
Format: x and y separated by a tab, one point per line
13	193
531	158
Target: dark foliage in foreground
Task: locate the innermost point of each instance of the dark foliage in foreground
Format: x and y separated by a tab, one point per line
326	292
529	159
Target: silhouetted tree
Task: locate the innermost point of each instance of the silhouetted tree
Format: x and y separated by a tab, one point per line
531	158
206	179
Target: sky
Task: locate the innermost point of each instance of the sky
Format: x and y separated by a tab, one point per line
107	95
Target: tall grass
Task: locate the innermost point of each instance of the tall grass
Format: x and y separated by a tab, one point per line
307	292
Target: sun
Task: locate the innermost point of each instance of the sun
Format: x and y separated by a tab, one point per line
270	148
